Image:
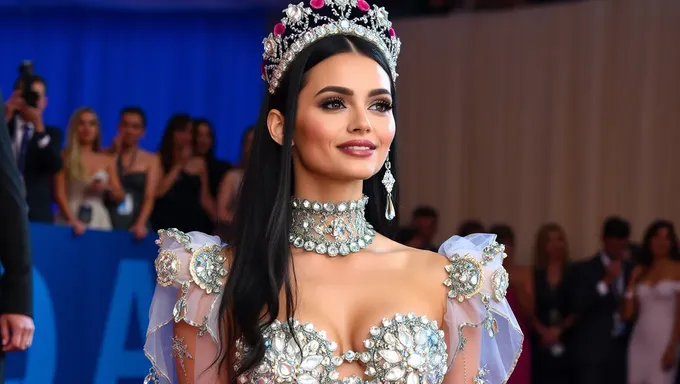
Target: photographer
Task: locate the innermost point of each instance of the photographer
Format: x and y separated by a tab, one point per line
36	146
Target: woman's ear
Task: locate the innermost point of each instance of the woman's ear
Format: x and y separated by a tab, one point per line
275	125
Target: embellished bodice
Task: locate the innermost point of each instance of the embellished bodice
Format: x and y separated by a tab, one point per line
403	349
481	343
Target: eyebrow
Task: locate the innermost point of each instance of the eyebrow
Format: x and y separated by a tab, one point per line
349	92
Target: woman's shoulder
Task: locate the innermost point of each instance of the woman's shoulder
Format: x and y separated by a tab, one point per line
191	258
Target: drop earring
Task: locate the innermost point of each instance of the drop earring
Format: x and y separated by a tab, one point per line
388	181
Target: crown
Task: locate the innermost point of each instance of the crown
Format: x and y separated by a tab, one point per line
303	25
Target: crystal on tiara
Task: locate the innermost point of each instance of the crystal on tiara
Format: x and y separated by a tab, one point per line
302	25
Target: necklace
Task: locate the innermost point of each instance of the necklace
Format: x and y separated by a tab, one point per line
331	228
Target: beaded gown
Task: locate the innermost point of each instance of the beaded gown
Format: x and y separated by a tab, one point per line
479	333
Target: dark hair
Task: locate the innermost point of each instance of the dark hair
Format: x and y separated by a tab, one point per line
135	110
261	254
425	211
32	79
502	232
469	227
244	137
194	134
177	122
645	255
616	228
406	234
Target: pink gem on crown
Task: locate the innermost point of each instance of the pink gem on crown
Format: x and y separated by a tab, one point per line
303	25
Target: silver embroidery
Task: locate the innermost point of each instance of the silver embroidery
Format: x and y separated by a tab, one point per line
406	350
482	376
179	311
465	277
152	377
500	280
176	234
491	325
167	267
180	352
207	268
490	252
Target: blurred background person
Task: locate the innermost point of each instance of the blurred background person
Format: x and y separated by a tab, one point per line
469	227
651	300
551	313
89	176
230	187
425	220
183	198
36	146
139	172
598	340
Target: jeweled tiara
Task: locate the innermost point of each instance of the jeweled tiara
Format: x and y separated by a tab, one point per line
303	25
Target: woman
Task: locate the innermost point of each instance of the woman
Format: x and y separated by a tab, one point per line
204	146
298	297
230	187
552	317
139	173
88	176
652	294
519	296
183	197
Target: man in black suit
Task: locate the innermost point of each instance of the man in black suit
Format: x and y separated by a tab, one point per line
598	339
36	148
16	285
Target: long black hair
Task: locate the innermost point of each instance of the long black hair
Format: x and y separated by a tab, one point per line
177	122
646	257
261	256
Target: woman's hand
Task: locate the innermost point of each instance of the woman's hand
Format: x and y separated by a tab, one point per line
669	357
97	187
139	231
79	228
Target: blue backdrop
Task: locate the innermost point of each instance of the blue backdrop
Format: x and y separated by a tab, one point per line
202	63
92	296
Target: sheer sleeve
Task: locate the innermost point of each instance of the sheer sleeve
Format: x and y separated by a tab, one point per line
483	336
190	273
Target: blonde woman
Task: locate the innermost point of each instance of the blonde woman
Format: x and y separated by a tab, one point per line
88	176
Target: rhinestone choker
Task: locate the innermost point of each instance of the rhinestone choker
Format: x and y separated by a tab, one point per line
331	228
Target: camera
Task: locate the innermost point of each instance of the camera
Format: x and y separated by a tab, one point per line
26	80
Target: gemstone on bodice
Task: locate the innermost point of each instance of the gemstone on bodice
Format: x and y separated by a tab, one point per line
405	349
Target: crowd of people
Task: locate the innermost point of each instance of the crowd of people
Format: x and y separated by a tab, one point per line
607	318
121	186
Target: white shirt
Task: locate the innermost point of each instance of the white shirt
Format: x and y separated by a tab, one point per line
19	136
602	288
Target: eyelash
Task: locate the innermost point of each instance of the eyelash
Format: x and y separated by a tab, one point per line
335	103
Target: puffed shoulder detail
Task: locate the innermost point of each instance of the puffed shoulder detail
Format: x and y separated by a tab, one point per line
190	258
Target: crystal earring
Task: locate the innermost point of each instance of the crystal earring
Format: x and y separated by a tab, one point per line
388	181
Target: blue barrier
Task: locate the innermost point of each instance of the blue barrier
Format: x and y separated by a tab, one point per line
92	296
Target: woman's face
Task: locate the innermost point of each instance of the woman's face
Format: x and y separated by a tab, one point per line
660	244
344	124
556	246
88	128
182	137
204	141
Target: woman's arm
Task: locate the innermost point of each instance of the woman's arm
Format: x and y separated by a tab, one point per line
60	195
168	180
225	195
629	306
207	201
117	194
152	180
